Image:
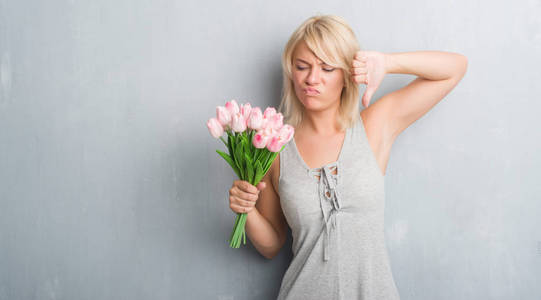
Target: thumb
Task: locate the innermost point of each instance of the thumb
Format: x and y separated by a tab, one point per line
261	185
366	97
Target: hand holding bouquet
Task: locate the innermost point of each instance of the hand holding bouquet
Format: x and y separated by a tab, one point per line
254	139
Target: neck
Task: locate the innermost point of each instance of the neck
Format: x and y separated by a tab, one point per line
321	123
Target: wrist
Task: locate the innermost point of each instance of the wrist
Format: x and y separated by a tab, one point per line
389	63
252	212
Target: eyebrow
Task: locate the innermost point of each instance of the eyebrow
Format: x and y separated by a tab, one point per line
321	63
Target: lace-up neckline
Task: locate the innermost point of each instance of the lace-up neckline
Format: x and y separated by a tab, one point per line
316	170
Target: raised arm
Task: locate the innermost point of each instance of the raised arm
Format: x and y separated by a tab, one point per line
438	73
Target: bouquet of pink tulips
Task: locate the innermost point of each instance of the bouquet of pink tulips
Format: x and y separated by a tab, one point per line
254	139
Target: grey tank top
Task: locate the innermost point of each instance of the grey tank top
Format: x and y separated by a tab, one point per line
337	224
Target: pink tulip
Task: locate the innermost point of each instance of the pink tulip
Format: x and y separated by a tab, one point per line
232	106
238	124
276	143
255	121
269	131
286	132
269	112
245	110
215	128
264	123
260	140
276	120
223	116
263	137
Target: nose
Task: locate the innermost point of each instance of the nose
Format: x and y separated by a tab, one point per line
313	76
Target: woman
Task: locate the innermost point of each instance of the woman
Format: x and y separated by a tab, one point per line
327	183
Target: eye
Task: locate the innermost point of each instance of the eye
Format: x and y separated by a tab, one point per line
326	70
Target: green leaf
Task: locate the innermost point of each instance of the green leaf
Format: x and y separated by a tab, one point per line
251	147
256	153
230	145
230	161
269	162
248	159
266	158
258	172
239	160
227	158
261	152
249	169
245	144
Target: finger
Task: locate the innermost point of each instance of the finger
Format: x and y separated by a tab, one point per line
360	55
240	208
358	63
247	187
367	96
361	79
365	104
243	202
244	195
261	185
358	71
240	202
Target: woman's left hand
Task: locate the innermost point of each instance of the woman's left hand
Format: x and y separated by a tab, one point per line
369	67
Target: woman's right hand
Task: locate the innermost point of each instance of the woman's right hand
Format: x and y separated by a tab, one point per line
243	195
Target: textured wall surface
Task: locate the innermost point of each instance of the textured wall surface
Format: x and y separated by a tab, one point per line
110	186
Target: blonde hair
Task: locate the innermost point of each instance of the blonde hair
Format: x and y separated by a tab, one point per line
333	41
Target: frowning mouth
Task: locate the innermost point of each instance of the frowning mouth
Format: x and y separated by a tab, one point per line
310	91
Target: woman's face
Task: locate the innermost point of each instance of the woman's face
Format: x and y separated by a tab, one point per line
310	73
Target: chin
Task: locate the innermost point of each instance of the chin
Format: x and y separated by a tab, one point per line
311	102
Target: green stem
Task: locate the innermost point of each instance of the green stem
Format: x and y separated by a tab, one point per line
239	234
221	138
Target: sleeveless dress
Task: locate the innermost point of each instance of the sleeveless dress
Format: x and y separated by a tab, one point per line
337	224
